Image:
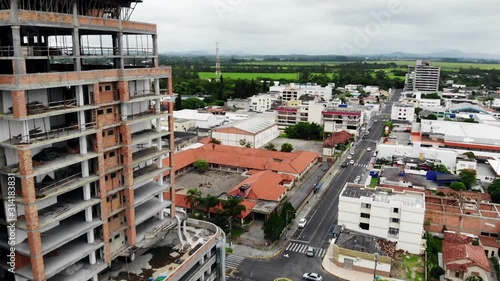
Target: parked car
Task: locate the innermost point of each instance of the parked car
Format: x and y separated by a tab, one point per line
367	132
375	121
357	179
312	277
302	223
351	162
369	149
343	165
393	137
349	157
310	251
352	152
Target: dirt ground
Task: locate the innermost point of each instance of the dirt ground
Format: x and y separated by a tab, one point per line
217	182
315	146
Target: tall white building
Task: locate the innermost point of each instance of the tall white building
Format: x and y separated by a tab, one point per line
262	102
423	77
295	91
385	213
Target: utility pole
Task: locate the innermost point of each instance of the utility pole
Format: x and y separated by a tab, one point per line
375	268
218	72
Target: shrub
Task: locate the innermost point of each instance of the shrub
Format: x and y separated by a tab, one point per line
437	271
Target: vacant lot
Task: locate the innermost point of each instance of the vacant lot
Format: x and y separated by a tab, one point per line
314	146
211	182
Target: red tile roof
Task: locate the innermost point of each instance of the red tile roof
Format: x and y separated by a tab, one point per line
264	185
489	241
336	138
295	162
456	248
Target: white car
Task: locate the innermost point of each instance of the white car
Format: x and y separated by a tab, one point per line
393	137
349	157
369	149
376	121
352	152
302	223
312	277
367	132
351	162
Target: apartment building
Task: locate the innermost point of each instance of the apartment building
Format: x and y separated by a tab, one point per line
294	91
423	77
262	102
385	213
403	112
348	119
80	170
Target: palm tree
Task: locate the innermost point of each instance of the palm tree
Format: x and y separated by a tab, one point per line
208	203
193	198
232	206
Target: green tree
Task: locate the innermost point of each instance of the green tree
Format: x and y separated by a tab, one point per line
468	177
286	147
193	103
305	130
473	278
270	146
470	155
208	203
418	110
178	102
215	141
457	186
430	117
273	227
439	168
245	143
201	165
437	271
193	197
232	207
288	212
494	191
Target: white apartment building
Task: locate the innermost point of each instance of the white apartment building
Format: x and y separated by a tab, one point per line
294	91
423	77
262	102
385	213
350	119
403	112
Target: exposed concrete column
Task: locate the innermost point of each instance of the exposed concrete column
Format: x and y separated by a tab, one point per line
171	157
161	216
92	258
119	46
18	63
76	49
90	236
155	51
80	102
95	278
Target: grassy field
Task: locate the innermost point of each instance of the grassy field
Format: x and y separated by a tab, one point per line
256	76
444	65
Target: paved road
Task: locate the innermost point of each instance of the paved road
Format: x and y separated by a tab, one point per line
293	262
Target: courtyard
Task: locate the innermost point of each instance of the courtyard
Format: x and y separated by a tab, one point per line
306	145
209	183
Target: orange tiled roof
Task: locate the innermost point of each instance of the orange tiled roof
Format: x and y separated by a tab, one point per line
336	138
456	247
264	185
489	241
294	162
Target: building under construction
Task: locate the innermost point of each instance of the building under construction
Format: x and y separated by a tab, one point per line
81	171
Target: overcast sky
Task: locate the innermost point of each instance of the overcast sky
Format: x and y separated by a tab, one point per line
342	27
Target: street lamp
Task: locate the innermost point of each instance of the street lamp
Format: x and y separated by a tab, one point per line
375	268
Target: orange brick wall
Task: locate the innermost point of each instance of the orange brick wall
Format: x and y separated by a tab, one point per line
113	180
107	93
110	137
19	104
111	159
107	116
123	90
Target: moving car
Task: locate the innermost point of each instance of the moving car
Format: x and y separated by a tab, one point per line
312	277
376	121
310	251
351	153
369	149
302	223
351	162
357	179
367	132
343	165
349	157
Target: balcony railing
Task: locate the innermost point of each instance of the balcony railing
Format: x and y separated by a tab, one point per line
50	51
36	135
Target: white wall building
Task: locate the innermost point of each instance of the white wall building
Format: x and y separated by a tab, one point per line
448	157
238	104
201	120
294	91
262	102
385	213
403	112
256	131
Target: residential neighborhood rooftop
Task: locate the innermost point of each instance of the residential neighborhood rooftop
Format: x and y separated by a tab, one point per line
386	195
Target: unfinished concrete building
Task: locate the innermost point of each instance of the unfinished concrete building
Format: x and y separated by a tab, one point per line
81	149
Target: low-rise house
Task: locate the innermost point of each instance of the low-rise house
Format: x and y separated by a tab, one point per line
330	144
255	132
464	257
201	120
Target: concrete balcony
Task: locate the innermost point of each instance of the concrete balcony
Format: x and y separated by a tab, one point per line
60	235
149	208
9	82
146	96
147	154
83	274
149	172
148	191
153	227
141	117
66	256
147	135
59	212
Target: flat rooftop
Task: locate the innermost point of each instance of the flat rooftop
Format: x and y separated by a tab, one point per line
365	243
386	195
162	259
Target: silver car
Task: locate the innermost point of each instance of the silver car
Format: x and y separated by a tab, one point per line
310	251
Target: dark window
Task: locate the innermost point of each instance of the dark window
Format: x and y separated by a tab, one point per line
113	175
364	226
395	220
109	110
365	215
395	210
100	111
112	154
111	132
107	88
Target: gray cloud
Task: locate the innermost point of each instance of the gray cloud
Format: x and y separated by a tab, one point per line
324	26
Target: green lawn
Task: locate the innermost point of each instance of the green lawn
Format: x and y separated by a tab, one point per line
373	182
248	76
236	232
444	65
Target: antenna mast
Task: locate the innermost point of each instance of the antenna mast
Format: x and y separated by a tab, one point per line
217	63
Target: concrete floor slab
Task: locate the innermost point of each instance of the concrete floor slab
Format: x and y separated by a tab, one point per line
220	182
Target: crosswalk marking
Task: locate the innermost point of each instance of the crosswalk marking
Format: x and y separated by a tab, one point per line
360	165
302	248
233	261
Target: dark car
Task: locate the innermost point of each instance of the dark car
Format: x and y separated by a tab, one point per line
343	165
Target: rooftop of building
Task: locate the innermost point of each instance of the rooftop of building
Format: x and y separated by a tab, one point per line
168	255
402	104
252	125
392	175
192	114
365	243
385	195
458	247
473	133
263	185
336	138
